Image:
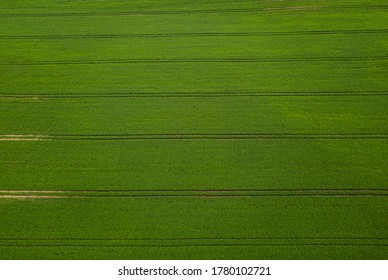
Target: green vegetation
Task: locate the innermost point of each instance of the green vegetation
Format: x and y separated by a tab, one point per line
194	164
193	129
194	227
194	114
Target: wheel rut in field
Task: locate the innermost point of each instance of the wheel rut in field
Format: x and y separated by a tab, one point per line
274	94
194	34
200	11
200	193
123	137
194	60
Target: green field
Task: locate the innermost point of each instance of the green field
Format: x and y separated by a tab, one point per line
166	129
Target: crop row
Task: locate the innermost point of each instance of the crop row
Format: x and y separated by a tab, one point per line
193	164
229	227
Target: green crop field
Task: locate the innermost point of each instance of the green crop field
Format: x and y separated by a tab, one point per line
177	129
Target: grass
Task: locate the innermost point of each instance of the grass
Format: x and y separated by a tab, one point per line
187	77
193	130
194	164
217	114
188	47
219	227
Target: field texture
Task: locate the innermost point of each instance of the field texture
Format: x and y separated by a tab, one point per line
149	129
